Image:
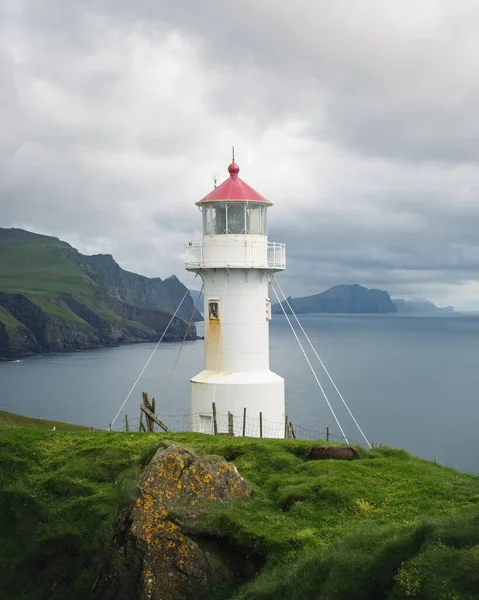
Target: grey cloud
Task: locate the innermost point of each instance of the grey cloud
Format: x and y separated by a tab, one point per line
393	82
357	119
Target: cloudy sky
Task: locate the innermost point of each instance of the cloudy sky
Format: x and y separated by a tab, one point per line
359	120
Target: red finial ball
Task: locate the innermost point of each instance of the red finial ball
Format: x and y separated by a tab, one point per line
233	169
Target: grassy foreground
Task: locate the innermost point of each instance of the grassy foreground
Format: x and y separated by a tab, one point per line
388	526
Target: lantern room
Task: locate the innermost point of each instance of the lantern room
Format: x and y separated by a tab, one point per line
234	218
234	208
234	229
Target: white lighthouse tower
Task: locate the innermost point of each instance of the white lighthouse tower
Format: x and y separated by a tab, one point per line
234	260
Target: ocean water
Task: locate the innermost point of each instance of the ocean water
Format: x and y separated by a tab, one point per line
412	381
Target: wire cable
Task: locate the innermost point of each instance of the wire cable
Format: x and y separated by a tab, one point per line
321	362
309	363
165	391
148	361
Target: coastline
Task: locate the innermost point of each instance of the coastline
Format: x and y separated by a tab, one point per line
59	351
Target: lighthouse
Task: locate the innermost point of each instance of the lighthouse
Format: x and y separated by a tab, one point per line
234	260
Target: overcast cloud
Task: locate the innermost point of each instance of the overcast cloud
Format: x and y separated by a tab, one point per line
359	120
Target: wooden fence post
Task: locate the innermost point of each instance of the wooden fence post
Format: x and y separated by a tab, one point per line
127	427
146	403
327	433
230	424
142	425
291	431
109	426
154	419
260	424
215	422
286	427
149	420
148	408
244	421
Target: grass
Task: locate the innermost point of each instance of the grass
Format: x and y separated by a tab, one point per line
388	526
55	308
12	325
12	420
37	264
39	267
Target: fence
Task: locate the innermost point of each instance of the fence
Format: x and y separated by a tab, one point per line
228	424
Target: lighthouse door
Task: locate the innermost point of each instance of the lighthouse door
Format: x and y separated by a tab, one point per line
206	424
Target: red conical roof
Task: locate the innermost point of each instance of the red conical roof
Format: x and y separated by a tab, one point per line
234	189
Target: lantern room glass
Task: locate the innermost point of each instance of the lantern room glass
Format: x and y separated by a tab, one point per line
234	218
218	219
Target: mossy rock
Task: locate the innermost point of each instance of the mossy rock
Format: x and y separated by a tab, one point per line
153	555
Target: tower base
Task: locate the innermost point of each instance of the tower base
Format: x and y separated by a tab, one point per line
261	392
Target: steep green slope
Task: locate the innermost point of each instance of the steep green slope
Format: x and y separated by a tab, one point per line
387	526
38	264
52	298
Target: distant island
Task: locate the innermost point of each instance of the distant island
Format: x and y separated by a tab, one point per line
419	305
54	298
342	299
356	298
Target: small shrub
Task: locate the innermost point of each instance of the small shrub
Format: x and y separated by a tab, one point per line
126	486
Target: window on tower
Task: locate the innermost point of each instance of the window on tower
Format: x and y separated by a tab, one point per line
218	219
256	219
236	218
206	220
214	310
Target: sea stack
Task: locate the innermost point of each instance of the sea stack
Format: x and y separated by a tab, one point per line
234	260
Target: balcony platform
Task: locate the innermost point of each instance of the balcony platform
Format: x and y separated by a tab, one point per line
235	255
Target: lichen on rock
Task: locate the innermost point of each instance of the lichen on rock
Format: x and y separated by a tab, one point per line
151	557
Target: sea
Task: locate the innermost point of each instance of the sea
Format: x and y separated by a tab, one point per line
410	380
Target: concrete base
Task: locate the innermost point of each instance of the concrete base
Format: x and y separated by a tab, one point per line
257	392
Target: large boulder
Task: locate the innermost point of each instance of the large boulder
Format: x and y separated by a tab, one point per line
152	556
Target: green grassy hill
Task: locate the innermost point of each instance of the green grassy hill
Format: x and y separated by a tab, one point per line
37	264
388	526
52	298
12	420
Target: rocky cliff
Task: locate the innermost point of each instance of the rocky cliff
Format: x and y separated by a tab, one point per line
144	292
342	299
54	298
40	331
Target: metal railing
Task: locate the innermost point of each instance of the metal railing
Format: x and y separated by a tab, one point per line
235	255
